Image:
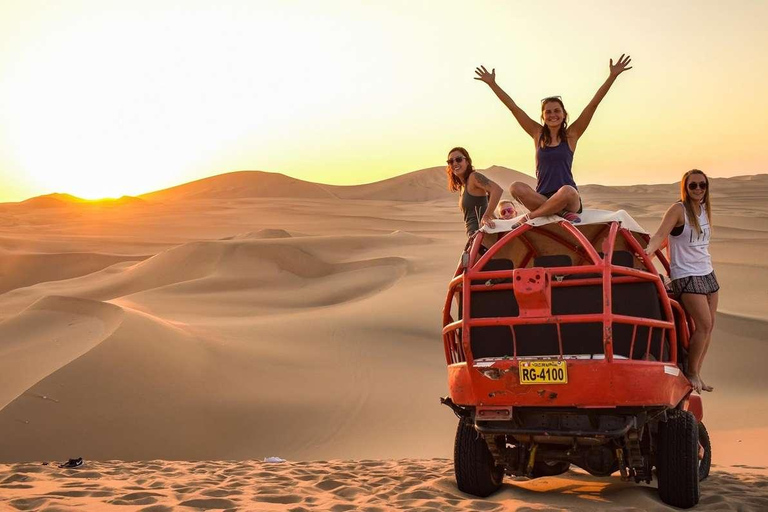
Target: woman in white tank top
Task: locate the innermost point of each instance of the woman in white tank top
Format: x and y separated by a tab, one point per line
687	223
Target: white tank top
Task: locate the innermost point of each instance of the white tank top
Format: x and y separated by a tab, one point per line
689	251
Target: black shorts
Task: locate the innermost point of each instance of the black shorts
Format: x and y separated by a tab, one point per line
550	194
700	285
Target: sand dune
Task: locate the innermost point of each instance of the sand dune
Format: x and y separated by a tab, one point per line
240	184
247	263
47	336
21	270
211	322
424	185
262	233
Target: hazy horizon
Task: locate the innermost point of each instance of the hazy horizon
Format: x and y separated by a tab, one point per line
65	192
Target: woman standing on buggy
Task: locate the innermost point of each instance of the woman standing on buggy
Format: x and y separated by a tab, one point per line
688	225
556	191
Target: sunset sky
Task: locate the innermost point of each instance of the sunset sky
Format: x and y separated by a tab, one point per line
107	98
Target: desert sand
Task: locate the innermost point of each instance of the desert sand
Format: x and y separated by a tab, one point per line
251	315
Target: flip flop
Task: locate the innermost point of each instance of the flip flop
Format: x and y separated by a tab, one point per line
72	463
520	222
571	217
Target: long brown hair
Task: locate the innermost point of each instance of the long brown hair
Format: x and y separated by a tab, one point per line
454	182
688	201
546	138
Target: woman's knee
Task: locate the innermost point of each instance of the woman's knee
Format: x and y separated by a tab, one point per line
569	192
698	307
704	324
519	190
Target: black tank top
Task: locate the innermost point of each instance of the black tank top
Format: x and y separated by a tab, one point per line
474	208
553	168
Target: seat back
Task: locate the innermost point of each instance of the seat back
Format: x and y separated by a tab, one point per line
493	341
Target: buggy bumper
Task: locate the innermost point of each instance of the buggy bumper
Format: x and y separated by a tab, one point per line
591	384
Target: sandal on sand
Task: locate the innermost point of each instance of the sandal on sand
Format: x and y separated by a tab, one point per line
570	217
72	463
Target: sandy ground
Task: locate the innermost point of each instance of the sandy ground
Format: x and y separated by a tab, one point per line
341	485
220	321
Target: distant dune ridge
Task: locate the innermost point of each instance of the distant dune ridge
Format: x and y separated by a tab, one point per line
250	315
57	200
423	185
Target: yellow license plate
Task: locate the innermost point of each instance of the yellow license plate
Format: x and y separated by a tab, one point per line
543	372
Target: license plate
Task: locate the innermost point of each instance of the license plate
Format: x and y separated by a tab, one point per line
543	372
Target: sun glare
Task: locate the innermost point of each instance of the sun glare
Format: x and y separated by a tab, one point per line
107	111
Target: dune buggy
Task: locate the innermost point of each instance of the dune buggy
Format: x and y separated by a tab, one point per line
564	348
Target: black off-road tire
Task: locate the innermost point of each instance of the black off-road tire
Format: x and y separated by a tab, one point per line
473	464
677	460
541	468
706	462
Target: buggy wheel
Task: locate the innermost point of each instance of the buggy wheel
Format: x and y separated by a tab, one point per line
476	471
706	447
677	460
553	468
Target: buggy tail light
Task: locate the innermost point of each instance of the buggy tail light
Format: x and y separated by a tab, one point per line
493	413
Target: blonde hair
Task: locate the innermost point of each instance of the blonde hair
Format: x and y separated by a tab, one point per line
688	201
501	204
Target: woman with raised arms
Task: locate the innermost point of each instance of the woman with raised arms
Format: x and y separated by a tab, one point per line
555	142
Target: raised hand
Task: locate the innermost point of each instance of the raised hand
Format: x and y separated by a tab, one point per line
485	76
620	66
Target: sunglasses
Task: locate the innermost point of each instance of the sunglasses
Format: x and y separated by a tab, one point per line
506	211
458	160
694	185
551	98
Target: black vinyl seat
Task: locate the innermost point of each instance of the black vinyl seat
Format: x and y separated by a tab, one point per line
553	260
622	258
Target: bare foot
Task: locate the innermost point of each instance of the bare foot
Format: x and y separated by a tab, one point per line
705	387
696	383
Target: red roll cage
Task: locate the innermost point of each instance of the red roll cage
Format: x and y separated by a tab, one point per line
531	286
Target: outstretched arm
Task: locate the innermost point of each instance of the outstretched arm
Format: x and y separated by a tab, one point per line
492	189
672	218
579	126
531	127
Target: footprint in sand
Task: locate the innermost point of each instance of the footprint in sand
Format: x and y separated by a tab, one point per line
284	499
137	498
206	504
29	503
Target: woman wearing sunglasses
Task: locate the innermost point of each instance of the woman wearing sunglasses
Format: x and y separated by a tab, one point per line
687	223
479	195
556	191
